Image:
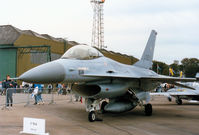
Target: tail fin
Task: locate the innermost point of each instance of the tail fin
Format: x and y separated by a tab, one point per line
147	56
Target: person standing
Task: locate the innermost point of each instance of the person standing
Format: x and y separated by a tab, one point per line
59	86
9	91
50	87
39	94
34	93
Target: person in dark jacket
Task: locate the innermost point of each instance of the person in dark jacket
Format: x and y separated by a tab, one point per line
9	91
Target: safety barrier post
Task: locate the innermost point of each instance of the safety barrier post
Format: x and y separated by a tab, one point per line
6	98
71	97
28	98
4	107
26	101
52	97
69	87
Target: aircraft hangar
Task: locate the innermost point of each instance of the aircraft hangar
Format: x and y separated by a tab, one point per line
21	50
24	49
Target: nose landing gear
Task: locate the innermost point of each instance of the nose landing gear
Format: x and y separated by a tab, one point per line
92	116
93	107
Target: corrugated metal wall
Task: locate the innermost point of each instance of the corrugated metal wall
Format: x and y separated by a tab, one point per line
28	61
26	40
8	62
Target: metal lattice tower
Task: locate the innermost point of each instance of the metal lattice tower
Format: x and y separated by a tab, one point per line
98	24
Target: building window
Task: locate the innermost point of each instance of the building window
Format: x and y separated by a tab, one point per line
38	58
55	56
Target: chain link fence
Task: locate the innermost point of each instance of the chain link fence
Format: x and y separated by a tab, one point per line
27	96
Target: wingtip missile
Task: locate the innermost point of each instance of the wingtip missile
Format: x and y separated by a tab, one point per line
197	76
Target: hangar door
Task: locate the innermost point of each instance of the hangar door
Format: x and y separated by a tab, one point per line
7	63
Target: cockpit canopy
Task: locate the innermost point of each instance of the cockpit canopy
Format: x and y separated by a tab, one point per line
82	52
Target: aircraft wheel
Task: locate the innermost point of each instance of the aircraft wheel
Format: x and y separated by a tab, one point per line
148	109
104	103
170	99
179	101
92	116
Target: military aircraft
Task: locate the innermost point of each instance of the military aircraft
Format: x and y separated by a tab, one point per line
181	93
98	78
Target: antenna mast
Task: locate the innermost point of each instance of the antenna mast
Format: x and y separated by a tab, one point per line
98	24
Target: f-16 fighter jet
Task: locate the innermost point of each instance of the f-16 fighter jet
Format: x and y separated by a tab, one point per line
181	93
100	79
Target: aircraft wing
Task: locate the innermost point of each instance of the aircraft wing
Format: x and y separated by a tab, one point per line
182	85
159	78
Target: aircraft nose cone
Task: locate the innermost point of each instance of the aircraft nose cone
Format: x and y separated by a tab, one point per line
51	72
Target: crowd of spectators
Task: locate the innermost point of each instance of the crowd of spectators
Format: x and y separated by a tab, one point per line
9	86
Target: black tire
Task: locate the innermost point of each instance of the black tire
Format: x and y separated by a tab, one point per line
179	101
104	103
148	109
170	99
92	116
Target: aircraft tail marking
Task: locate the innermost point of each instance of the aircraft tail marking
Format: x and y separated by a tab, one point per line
147	56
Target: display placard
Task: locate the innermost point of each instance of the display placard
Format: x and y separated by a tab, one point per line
34	126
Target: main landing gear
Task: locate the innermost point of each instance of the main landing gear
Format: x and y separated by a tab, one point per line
179	101
148	109
169	98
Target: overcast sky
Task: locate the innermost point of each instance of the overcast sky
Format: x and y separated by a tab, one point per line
128	23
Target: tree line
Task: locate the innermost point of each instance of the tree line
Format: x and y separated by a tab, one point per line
188	66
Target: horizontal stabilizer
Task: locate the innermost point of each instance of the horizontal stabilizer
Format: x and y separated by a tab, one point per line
174	93
184	86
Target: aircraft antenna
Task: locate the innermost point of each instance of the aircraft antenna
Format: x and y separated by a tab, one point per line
98	24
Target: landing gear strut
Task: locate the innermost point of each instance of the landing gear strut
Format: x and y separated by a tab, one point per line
179	101
104	103
148	109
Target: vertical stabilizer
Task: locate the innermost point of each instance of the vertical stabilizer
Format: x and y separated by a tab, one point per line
147	56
